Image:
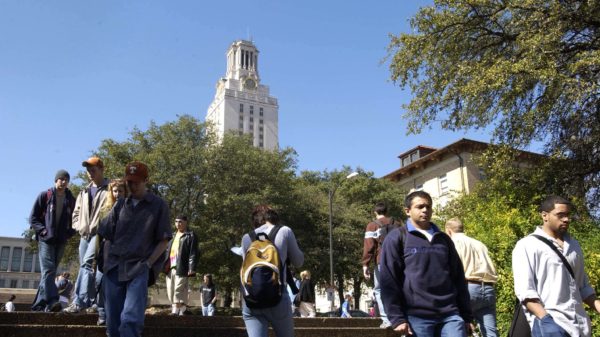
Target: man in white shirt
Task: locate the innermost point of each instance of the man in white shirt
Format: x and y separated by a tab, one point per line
553	299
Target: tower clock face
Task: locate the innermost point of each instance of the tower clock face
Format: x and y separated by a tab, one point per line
249	83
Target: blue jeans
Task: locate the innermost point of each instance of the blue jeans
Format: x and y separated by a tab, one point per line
208	310
377	293
100	295
449	326
125	304
483	305
47	294
280	316
85	286
546	327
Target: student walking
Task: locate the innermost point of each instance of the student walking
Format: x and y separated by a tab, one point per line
550	279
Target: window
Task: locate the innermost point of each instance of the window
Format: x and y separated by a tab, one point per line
260	112
37	264
260	121
25	284
2	283
241	118
240	132
13	283
414	156
36	284
16	259
251	119
443	184
241	126
4	254
28	261
241	108
260	144
405	161
482	175
252	109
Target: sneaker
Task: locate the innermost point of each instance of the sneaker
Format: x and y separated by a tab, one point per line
385	325
92	310
56	307
101	322
72	309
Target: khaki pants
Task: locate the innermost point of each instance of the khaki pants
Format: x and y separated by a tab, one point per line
177	288
307	309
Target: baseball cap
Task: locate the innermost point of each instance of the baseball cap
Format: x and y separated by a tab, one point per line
93	161
136	171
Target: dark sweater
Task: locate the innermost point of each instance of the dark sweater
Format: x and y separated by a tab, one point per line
422	278
43	219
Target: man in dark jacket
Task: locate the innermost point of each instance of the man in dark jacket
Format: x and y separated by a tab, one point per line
423	284
51	220
182	255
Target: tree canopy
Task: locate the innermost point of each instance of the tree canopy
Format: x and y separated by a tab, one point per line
529	69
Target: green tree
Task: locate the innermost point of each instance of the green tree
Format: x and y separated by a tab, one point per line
500	212
352	208
528	68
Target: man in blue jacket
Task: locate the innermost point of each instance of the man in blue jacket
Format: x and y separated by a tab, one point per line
51	220
423	284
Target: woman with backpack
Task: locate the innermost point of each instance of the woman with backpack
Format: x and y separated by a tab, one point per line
307	296
261	305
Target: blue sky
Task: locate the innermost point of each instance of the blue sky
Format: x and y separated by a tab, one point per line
73	73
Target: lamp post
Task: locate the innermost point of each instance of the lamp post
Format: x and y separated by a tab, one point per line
332	189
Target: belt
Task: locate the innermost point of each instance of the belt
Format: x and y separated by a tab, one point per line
481	283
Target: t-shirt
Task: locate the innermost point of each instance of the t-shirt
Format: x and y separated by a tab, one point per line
208	294
60	201
175	250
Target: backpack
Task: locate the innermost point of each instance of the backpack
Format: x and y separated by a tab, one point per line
262	271
384	229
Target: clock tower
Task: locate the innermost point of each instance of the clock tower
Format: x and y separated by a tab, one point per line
242	105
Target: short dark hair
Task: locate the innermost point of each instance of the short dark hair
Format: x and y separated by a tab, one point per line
12	297
416	194
380	208
263	213
551	200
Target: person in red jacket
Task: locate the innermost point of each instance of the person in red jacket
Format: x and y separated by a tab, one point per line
374	234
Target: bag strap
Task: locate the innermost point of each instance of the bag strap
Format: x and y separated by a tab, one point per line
562	257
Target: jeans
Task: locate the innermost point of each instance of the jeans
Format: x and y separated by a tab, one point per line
448	326
280	316
125	304
377	293
47	294
208	310
85	286
546	327
100	295
483	305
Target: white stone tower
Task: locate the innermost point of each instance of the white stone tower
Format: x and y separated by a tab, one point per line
242	104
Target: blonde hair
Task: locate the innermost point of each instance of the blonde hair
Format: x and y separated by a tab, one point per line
110	198
305	274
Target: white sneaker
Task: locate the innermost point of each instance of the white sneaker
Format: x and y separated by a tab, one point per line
72	309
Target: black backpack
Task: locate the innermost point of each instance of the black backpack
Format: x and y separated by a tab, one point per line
384	229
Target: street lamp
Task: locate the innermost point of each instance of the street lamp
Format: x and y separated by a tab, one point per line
332	189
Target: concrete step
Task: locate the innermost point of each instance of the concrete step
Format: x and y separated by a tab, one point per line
93	331
32	324
61	319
